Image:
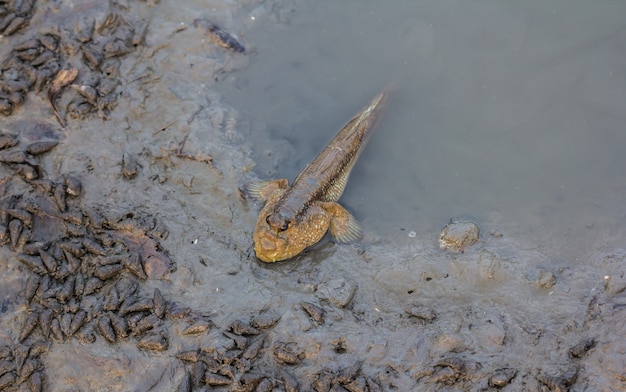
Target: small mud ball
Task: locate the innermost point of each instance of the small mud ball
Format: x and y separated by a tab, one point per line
457	236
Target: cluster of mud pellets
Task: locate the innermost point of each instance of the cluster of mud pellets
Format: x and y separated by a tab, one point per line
85	270
235	364
92	48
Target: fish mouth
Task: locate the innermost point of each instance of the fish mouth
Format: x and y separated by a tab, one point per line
269	248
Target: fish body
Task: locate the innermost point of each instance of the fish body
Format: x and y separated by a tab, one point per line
298	216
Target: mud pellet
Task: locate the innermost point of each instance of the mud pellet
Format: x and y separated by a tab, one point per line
55	329
197	373
323	383
66	322
86	336
253	349
35	382
189	356
213	379
106	329
23	215
77	322
266	385
67	290
14	156
44	285
92	57
32	320
240	328
265	320
34	263
49	261
30	288
45	318
145	324
349	373
501	377
285	356
289	381
73	248
20	353
358	385
7	141
59	197
134	266
6	352
7	380
33	248
132	306
38	348
73	186
210	362
130	168
158	307
153	343
5	238
76	230
230	356
25	237
314	311
87	92
111	300
14	26
106	272
93	247
51	293
92	285
196	328
120	326
29	367
6	366
41	147
93	216
580	349
79	285
49	41
250	380
15	230
28	172
240	341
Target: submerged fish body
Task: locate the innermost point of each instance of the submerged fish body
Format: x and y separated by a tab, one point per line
298	216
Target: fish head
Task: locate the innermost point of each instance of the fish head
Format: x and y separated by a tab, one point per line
277	242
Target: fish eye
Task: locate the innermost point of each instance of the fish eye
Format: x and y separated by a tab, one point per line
282	225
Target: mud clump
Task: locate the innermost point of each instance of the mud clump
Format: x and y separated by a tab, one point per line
85	270
91	51
457	236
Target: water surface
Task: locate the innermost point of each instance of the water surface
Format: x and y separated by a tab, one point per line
508	113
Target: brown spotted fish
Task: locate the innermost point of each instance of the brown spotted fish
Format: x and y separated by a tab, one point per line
298	216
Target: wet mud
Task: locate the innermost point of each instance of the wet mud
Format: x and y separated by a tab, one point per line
127	259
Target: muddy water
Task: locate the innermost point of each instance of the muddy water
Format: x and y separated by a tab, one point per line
506	114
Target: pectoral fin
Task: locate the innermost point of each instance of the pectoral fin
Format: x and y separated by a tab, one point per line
261	190
343	226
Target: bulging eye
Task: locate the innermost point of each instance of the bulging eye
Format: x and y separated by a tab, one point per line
282	225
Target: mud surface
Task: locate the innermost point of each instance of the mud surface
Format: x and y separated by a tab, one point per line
127	259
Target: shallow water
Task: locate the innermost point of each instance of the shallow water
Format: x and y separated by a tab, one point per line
508	113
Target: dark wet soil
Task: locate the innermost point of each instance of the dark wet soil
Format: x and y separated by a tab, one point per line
127	260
